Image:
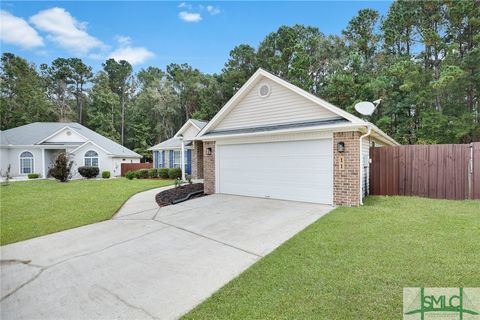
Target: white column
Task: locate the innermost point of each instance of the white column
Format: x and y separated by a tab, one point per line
182	161
43	164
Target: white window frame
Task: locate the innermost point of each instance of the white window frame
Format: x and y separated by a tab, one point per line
90	159
177	154
31	159
160	160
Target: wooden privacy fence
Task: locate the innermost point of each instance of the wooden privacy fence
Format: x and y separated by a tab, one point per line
125	167
445	171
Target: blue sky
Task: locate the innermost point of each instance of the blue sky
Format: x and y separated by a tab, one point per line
159	33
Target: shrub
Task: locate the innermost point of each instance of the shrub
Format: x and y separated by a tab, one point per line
7	176
88	172
142	174
163	173
105	174
178	182
189	178
153	173
62	168
33	176
130	175
174	173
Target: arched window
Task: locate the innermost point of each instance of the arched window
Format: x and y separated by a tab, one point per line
91	158
26	162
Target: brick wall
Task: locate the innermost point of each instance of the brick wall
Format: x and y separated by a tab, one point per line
209	167
346	180
197	160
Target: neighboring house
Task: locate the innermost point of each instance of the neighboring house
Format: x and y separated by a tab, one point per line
33	148
275	140
168	153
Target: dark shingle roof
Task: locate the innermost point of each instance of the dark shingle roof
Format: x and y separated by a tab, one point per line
199	123
172	143
303	124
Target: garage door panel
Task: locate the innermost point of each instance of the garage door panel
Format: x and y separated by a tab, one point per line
270	174
278	192
295	170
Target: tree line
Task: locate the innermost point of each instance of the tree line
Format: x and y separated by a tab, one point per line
422	59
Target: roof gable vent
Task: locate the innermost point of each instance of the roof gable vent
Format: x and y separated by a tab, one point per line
264	90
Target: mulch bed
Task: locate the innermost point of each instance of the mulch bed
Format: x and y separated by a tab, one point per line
165	198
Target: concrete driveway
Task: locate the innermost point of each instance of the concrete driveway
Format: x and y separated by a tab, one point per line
146	262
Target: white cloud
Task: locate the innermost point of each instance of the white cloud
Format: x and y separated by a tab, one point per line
213	10
190	16
65	30
134	55
184	5
123	40
17	31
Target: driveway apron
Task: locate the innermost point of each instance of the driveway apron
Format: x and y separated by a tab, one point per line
147	262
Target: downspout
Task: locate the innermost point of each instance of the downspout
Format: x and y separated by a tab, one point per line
360	178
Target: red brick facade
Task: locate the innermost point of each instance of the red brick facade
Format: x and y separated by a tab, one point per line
197	160
346	170
209	166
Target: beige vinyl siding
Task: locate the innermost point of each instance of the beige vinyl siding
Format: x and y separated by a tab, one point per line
378	143
190	132
281	106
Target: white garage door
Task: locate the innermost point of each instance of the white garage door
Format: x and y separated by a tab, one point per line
294	170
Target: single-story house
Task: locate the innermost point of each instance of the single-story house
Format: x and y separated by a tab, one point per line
275	140
168	153
33	148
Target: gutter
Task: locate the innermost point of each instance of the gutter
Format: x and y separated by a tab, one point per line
361	164
347	126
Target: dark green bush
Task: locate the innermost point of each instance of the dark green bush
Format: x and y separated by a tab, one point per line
153	173
105	174
33	176
130	175
163	173
174	173
88	172
62	168
142	174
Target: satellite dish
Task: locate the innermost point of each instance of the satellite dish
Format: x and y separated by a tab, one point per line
366	108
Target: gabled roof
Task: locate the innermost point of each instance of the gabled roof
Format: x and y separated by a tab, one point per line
197	124
255	78
36	133
172	143
176	142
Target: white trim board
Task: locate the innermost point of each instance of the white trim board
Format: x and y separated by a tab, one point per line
260	74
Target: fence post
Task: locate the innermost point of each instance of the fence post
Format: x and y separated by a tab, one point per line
470	173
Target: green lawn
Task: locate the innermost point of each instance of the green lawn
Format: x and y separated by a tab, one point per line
33	208
354	263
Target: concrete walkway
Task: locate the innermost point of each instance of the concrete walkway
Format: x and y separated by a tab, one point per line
147	262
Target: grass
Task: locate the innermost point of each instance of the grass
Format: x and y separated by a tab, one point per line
34	208
354	263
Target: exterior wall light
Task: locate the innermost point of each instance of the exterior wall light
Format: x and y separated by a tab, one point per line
209	151
341	147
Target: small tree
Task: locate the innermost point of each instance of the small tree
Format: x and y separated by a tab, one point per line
62	168
6	175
